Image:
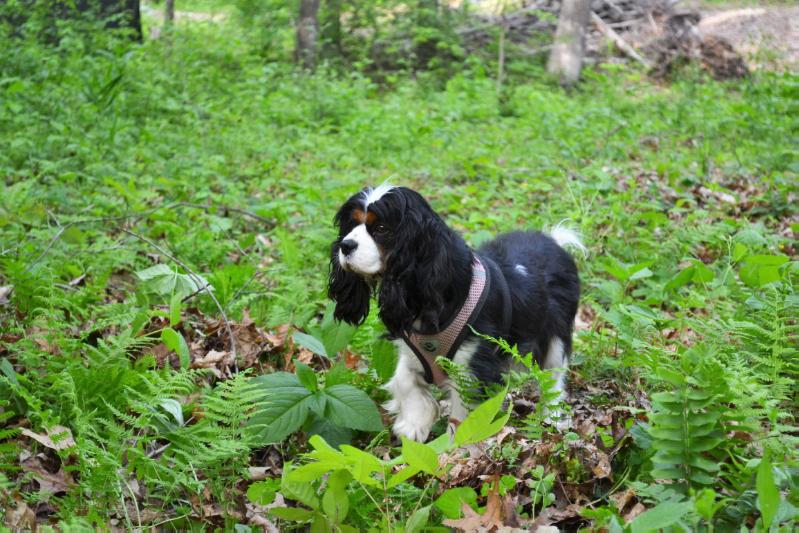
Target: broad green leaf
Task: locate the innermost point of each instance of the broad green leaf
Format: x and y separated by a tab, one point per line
417	520
294	514
174	408
683	277
768	496
334	335
339	374
323	450
660	517
481	423
362	464
175	342
384	359
615	268
333	433
174	310
261	492
705	503
335	502
287	403
451	501
419	455
313	471
739	251
299	491
402	476
672	376
767	275
641	274
350	407
320	524
702	274
767	260
167	282
310	342
306	375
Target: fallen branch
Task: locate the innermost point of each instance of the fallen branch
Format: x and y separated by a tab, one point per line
620	43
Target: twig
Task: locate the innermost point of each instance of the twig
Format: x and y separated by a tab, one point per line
623	45
158	450
49	246
139	215
253	216
198	280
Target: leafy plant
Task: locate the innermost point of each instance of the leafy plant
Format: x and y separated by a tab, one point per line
351	465
689	423
292	400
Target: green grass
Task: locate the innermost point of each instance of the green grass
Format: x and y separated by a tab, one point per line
685	193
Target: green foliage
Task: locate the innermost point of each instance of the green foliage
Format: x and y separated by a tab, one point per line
290	399
688	423
768	496
370	474
209	144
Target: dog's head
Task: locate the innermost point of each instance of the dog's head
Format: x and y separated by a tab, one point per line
389	237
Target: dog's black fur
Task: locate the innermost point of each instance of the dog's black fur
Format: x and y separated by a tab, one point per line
427	271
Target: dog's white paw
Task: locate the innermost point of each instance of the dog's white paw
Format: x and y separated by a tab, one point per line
412	429
416	417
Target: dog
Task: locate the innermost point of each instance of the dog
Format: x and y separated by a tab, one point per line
432	289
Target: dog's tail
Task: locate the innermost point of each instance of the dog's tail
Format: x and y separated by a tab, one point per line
567	238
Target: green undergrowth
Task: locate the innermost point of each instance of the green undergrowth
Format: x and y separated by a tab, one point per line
196	154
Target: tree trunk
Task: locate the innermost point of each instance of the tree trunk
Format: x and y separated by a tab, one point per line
307	34
566	58
169	13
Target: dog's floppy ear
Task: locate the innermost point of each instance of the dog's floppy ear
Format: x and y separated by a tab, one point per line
350	292
419	268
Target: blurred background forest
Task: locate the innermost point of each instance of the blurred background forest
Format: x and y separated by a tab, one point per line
170	172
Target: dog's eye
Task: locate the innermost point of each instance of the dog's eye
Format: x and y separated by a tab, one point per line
381	229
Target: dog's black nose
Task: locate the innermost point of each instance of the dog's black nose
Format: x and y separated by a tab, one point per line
348	246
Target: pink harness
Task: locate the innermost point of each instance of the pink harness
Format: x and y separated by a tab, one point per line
447	341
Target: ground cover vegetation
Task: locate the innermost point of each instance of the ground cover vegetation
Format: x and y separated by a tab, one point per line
167	353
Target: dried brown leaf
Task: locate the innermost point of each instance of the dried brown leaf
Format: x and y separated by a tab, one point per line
49	483
213	359
56	438
20	518
621	499
637	509
471	521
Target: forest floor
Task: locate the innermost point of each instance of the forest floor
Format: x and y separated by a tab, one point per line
165	231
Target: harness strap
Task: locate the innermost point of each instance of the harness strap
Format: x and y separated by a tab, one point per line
447	341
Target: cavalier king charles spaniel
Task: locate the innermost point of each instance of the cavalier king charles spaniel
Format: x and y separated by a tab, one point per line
432	289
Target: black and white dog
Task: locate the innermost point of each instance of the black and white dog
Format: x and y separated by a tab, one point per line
431	287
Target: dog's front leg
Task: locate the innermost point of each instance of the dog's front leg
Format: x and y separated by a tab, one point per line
414	406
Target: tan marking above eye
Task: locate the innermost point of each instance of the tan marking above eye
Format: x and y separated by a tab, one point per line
363	218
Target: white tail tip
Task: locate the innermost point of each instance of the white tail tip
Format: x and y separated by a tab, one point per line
568	238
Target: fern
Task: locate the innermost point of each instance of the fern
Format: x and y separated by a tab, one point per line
689	423
523	371
467	386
